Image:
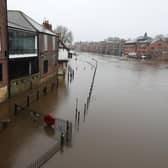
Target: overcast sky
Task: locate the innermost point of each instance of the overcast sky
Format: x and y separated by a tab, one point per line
94	20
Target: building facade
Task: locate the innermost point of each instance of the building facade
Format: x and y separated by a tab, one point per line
111	46
63	58
137	48
3	52
158	49
130	49
33	52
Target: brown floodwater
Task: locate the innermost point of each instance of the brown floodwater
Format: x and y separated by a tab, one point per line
127	122
126	125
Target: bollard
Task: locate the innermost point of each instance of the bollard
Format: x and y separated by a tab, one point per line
68	76
73	74
78	116
67	125
28	101
15	109
57	83
62	139
78	121
70	134
84	113
38	95
67	131
77	105
45	91
84	108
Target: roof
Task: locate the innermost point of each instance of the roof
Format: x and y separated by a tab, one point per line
18	19
145	41
156	40
130	42
38	26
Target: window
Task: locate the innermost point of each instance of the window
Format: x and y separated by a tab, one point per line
21	42
1	72
23	67
45	66
45	42
53	39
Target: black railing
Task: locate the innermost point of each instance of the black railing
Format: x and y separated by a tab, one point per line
22	51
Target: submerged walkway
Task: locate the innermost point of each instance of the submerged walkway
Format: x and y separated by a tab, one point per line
26	141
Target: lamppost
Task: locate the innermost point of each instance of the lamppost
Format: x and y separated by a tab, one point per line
95	61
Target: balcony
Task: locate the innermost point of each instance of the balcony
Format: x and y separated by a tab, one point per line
22	53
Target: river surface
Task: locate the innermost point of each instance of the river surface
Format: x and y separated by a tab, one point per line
127	121
126	125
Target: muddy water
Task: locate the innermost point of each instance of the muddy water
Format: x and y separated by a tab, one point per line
126	124
127	121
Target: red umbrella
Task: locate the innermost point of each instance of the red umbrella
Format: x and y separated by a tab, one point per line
49	119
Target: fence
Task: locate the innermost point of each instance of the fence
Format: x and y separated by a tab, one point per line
64	130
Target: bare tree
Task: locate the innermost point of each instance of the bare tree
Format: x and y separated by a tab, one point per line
66	34
159	36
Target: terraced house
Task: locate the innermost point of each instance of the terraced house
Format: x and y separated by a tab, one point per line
33	52
3	52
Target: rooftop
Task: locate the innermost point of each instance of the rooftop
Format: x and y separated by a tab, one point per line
18	19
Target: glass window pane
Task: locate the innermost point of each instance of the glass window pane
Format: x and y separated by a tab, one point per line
21	42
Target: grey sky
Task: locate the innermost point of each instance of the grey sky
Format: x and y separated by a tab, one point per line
98	19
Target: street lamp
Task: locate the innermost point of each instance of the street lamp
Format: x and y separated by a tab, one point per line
95	61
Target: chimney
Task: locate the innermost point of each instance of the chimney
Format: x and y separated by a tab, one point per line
47	25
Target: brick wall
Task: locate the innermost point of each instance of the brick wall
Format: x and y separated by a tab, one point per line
158	50
142	49
50	55
3	51
130	48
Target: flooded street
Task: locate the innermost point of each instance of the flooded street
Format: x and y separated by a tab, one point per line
126	125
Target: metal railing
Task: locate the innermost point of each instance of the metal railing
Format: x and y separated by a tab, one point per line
22	51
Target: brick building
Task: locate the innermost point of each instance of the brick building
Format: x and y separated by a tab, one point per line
107	47
142	48
3	52
137	48
130	48
114	46
158	49
33	52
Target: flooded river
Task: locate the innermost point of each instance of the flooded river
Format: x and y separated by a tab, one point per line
126	125
127	121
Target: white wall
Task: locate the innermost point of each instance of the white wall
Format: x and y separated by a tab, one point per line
63	54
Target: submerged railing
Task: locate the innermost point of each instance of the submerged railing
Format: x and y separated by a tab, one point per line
64	137
62	130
